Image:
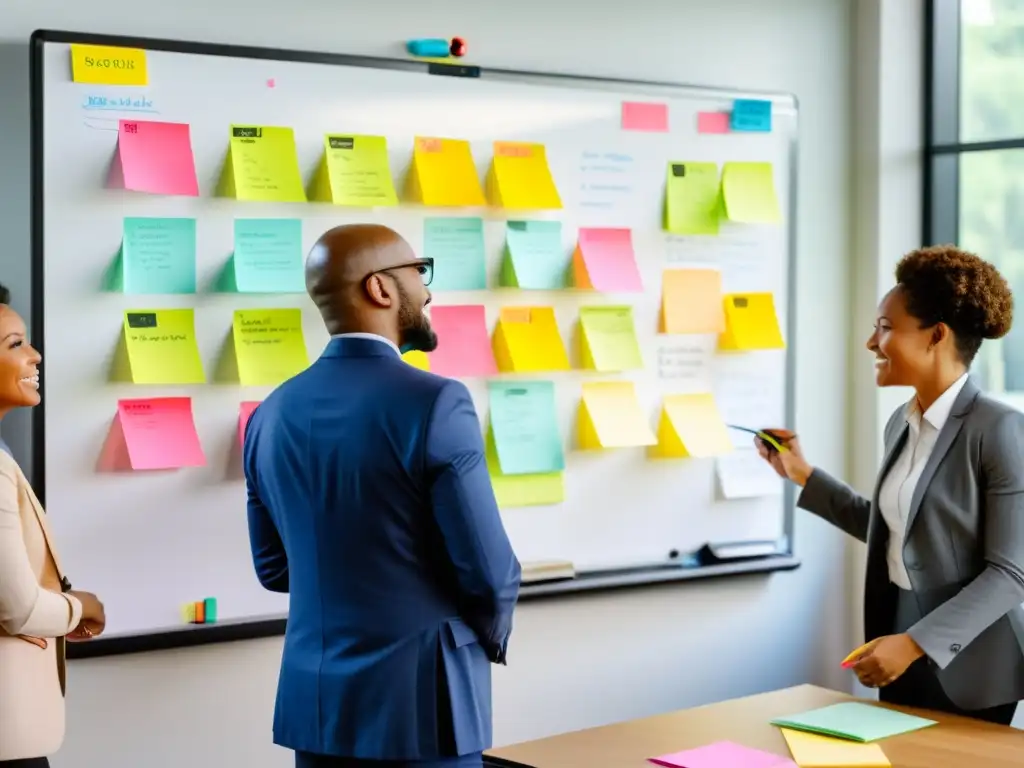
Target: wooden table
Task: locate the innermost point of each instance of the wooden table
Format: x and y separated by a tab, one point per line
956	742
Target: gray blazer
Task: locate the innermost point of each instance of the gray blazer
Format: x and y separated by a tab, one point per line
964	548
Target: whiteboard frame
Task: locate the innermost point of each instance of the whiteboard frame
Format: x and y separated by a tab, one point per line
667	572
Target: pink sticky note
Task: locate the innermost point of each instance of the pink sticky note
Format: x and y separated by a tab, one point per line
160	433
463	345
154	157
244	412
712	122
608	260
644	116
723	754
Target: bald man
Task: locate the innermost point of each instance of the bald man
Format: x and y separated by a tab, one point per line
371	506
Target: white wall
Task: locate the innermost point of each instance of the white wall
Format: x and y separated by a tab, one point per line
588	660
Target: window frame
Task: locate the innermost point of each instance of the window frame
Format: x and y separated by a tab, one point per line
943	147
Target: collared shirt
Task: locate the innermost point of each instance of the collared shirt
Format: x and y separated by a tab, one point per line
898	487
372	336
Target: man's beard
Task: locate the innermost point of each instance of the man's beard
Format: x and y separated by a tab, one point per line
414	331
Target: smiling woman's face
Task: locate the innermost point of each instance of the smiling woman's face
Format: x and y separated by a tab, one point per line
900	343
19	363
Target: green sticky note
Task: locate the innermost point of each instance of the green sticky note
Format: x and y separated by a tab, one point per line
268	257
534	256
528	490
692	198
748	191
210	610
157	256
524	427
269	345
608	339
159	347
854	721
457	247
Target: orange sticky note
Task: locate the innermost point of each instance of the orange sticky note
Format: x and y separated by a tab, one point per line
604	261
200	612
691	301
463	344
244	413
160	433
154	157
644	116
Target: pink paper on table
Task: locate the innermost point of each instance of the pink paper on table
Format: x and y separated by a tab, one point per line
723	754
244	412
160	433
463	344
608	259
154	157
712	122
644	116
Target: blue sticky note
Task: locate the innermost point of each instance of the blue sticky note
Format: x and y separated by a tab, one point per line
524	427
457	247
752	115
158	256
268	256
534	256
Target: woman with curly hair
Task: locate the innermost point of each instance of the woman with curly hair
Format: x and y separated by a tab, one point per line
945	524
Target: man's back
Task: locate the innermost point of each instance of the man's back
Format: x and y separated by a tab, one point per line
370	503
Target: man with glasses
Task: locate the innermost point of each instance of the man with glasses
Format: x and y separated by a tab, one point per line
370	504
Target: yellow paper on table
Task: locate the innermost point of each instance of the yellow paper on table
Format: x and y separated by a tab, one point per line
748	190
443	174
417	359
159	347
691	427
522	490
269	345
691	301
355	170
520	178
750	323
526	339
811	750
610	416
108	65
262	165
693	199
608	339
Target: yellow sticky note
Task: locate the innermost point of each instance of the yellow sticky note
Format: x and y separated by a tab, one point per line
520	177
691	301
811	750
693	204
610	416
443	174
355	170
526	339
530	490
608	339
691	427
188	613
417	359
269	345
750	323
262	165
108	65
160	347
748	190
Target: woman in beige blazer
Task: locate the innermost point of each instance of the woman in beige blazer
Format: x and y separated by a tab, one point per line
37	608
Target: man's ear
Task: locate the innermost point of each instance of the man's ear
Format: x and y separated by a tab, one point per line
378	291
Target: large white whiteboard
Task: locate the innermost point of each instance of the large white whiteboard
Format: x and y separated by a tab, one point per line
149	542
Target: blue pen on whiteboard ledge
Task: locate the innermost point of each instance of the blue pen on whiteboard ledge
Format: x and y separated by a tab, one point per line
437	48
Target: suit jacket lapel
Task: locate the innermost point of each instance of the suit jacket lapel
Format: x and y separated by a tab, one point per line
943	442
44	526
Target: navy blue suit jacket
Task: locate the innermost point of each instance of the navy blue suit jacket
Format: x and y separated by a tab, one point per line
370	503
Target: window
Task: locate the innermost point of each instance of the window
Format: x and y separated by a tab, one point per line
974	170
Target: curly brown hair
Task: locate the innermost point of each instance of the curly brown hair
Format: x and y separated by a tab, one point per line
944	284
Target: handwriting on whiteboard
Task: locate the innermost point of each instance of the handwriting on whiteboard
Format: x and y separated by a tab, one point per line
749	262
686	364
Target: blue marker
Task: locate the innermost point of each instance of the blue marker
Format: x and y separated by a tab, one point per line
430	48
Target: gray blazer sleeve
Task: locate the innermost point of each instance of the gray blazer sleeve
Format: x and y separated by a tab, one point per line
836	502
1000	586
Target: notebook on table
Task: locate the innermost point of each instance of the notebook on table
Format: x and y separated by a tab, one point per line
854	721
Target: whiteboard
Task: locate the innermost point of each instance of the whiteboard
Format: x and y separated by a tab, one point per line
148	542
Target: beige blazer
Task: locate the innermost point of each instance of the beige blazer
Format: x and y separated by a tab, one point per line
31	605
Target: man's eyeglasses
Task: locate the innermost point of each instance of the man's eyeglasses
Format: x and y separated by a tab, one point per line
424	266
